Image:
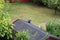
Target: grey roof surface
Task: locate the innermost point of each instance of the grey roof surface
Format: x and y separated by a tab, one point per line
36	33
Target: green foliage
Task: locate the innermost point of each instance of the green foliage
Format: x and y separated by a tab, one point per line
53	27
23	35
5	21
51	3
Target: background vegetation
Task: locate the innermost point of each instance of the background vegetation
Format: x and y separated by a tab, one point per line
48	3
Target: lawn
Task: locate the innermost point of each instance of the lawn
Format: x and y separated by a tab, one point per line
38	14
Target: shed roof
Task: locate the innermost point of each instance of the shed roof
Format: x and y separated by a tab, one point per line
38	34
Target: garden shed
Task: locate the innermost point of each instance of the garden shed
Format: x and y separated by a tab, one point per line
38	34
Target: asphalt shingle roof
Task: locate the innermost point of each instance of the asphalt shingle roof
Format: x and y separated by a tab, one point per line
21	25
37	33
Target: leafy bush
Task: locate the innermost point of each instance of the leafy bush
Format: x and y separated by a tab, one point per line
53	27
5	21
51	3
23	35
48	3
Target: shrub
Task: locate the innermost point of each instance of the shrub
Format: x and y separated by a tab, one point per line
48	3
53	27
51	3
5	21
23	35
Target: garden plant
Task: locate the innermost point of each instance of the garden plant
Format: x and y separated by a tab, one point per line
23	35
5	22
53	27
